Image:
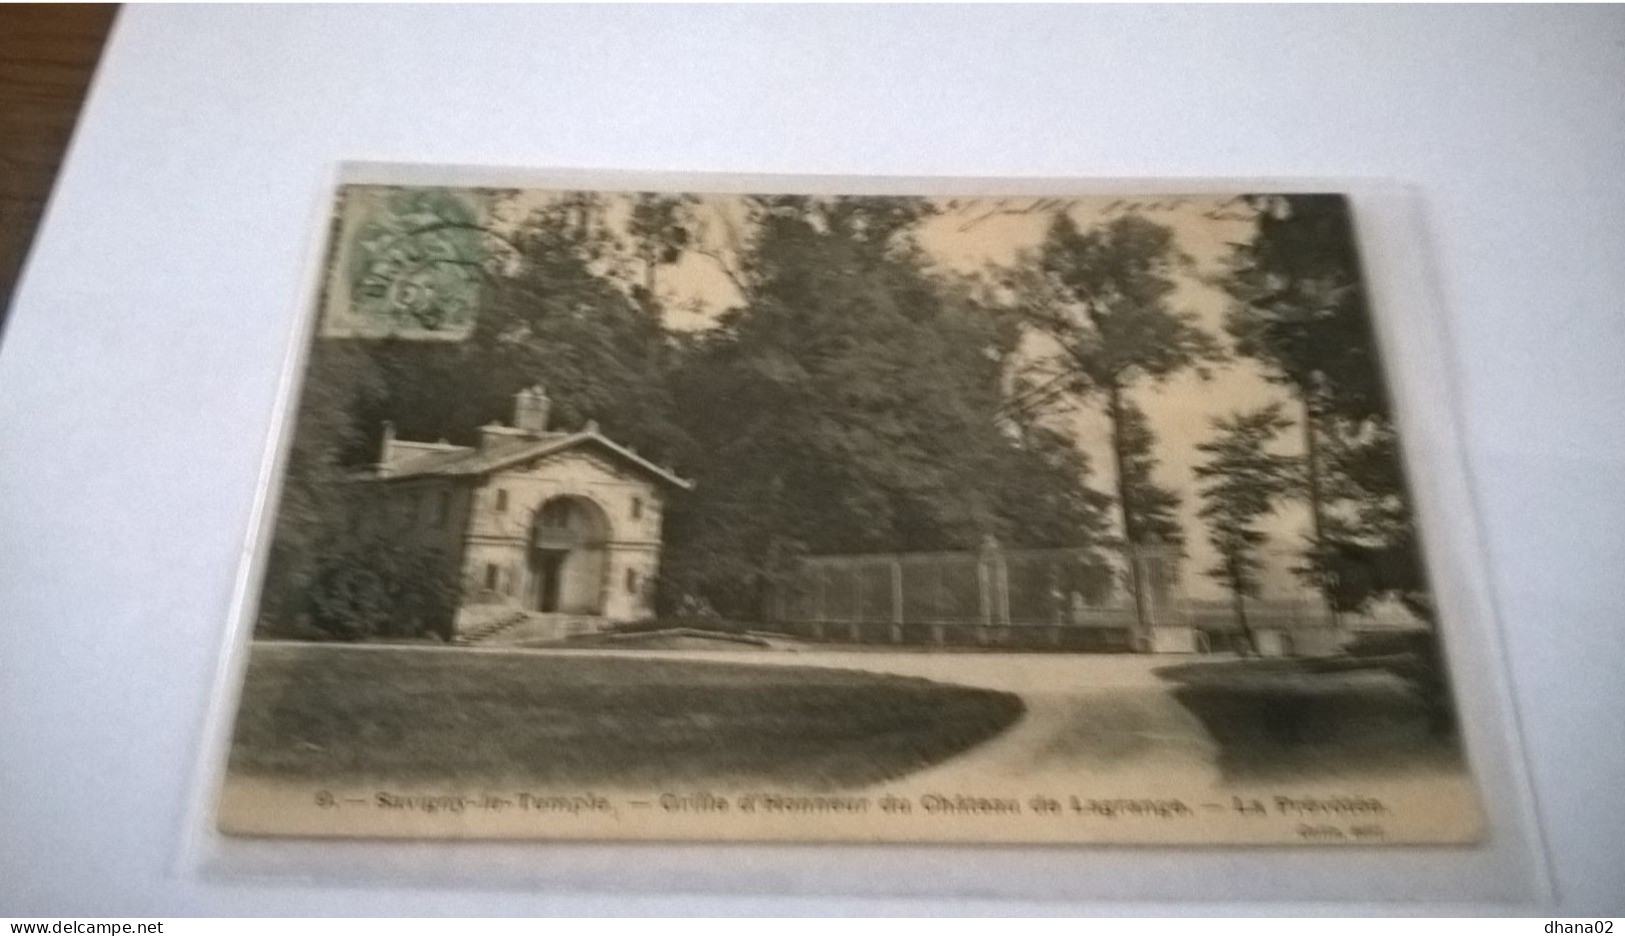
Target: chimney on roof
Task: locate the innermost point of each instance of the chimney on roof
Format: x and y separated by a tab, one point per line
530	410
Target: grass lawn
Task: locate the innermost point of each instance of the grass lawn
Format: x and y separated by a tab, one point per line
1281	720
314	711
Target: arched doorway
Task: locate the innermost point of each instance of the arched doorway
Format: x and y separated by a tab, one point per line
568	559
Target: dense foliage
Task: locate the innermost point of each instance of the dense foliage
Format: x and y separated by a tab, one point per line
379	586
1301	310
1242	481
851	403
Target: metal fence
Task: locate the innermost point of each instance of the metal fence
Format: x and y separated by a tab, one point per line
1122	599
993	596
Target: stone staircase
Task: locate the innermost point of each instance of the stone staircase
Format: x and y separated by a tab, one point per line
526	627
488	629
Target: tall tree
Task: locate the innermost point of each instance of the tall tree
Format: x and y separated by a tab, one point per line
1155	505
1301	310
1240	483
1104	299
661	229
851	404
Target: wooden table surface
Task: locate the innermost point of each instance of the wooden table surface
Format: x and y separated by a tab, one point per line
47	55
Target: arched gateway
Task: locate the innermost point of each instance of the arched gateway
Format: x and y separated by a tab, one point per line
569	557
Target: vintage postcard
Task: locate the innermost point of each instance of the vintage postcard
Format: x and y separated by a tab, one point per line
682	516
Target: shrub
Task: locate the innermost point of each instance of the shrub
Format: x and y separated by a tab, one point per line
383	588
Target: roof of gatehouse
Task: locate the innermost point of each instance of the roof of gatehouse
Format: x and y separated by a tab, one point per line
439	460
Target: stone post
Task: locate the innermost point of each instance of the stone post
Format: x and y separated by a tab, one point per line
896	600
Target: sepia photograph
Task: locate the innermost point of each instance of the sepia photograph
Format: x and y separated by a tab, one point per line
784	517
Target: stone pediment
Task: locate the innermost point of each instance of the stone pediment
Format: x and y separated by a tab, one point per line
599	453
574	461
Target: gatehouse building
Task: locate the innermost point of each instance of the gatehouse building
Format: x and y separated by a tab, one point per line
552	533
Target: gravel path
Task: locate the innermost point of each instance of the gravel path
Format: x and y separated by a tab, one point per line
1090	719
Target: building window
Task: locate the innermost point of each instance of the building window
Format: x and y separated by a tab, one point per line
490	577
442	508
637	507
631	581
502	500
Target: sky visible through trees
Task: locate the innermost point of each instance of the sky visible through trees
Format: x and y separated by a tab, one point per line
972	234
